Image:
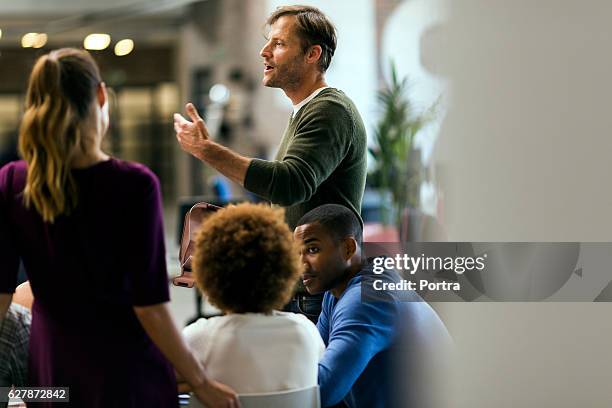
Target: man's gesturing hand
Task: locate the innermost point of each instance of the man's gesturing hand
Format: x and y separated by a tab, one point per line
194	139
192	136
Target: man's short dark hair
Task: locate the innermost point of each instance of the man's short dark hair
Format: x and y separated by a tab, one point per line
313	27
245	260
338	221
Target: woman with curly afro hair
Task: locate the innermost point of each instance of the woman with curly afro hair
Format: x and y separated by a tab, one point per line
246	263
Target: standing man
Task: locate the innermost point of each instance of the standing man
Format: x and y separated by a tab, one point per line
322	154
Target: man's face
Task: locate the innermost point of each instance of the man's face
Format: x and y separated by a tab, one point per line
325	267
283	57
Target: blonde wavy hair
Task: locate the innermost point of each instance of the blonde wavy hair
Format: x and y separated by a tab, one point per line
59	99
245	259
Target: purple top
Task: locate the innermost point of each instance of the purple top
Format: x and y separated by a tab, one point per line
87	270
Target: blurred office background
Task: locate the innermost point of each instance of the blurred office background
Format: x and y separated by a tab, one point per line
517	149
206	52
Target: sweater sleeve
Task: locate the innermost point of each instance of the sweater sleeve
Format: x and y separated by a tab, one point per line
366	327
320	143
323	320
9	257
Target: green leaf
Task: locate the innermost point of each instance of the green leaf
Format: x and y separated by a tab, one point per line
394	142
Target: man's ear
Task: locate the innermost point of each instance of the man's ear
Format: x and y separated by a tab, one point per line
349	247
101	94
314	54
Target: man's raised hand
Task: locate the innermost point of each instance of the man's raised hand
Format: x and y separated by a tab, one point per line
192	136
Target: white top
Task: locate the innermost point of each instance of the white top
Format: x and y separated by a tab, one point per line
309	98
254	353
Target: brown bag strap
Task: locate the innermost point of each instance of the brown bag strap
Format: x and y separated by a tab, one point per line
191	225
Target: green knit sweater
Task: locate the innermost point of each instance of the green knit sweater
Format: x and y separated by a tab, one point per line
321	159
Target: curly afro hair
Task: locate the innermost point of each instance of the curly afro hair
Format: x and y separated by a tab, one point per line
245	259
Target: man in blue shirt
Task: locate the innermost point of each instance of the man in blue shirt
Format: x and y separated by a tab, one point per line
361	338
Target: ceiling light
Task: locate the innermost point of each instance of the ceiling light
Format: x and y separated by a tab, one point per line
34	40
28	40
124	47
40	40
96	41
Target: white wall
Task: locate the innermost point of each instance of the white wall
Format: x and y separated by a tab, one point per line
524	156
525	146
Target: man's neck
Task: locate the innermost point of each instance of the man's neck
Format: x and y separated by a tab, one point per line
305	88
353	270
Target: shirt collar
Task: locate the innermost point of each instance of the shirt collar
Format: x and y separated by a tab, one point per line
309	98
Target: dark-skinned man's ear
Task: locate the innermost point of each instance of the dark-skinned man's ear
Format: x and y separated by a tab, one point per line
350	247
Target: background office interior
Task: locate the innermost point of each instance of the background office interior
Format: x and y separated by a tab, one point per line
519	150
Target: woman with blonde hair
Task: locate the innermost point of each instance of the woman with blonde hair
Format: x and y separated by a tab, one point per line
89	230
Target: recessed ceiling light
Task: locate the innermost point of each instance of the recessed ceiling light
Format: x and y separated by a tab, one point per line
34	40
124	47
96	41
40	40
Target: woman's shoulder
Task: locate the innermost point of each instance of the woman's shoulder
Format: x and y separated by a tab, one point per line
302	329
197	328
297	320
13	175
128	172
14	166
126	166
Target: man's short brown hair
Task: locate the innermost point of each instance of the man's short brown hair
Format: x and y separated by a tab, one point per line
245	259
313	27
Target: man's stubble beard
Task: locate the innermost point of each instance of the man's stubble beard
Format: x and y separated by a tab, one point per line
290	77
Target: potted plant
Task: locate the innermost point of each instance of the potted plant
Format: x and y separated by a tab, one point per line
398	172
